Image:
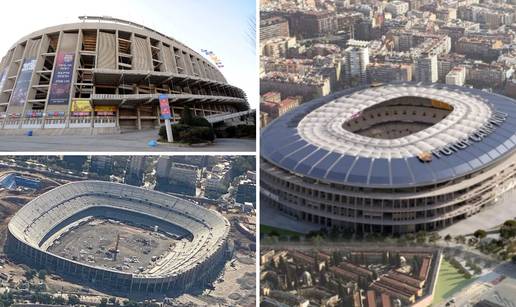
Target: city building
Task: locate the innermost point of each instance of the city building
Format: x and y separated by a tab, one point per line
246	191
480	47
456	76
426	69
397	8
273	27
289	84
176	177
356	59
396	158
134	173
217	182
312	23
446	62
264	119
277	109
483	75
277	47
101	164
388	72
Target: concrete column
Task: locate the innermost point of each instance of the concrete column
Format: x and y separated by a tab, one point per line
158	112
139	119
117	114
92	125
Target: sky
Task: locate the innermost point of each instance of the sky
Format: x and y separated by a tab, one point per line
219	26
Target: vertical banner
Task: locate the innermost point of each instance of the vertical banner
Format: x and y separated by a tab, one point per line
164	107
165	114
21	89
3	76
62	78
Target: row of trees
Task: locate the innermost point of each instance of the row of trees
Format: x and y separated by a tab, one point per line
457	265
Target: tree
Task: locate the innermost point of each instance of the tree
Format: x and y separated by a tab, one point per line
434	237
460	239
130	303
317	240
510	223
59	300
6	299
421	237
480	234
73	300
113	301
42	274
30	274
103	302
508	229
186	116
447	238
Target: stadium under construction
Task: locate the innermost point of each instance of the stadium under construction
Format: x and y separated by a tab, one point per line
104	75
120	239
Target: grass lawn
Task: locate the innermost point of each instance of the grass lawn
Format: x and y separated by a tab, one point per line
449	282
282	232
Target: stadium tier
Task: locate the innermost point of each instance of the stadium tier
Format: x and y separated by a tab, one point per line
393	158
43	220
107	74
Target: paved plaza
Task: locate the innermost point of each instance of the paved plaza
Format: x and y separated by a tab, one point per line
125	142
489	217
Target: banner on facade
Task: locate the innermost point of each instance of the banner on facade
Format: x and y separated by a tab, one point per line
62	78
105	110
441	105
21	89
3	77
164	107
81	106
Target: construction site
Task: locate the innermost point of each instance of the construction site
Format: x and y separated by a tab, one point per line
114	244
171	245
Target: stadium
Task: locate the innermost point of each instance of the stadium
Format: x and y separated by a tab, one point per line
105	75
390	158
120	238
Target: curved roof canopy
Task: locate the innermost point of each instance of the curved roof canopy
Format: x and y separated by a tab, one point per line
310	141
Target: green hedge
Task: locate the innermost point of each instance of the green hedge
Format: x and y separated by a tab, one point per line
197	135
189	134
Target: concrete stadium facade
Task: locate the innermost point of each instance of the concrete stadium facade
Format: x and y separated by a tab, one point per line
43	220
104	75
396	158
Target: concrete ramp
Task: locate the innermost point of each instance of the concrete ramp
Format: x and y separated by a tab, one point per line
227	116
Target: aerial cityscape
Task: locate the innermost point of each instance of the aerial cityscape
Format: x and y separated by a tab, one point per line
388	153
97	229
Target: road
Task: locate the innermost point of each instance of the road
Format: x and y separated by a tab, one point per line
125	142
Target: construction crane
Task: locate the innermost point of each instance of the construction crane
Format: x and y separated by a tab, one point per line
115	250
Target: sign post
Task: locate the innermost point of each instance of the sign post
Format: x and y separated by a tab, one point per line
165	114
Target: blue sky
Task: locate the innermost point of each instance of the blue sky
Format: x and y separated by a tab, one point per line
219	26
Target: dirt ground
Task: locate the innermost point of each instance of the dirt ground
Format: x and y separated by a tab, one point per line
95	242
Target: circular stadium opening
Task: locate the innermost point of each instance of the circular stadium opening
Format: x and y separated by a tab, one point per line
398	117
